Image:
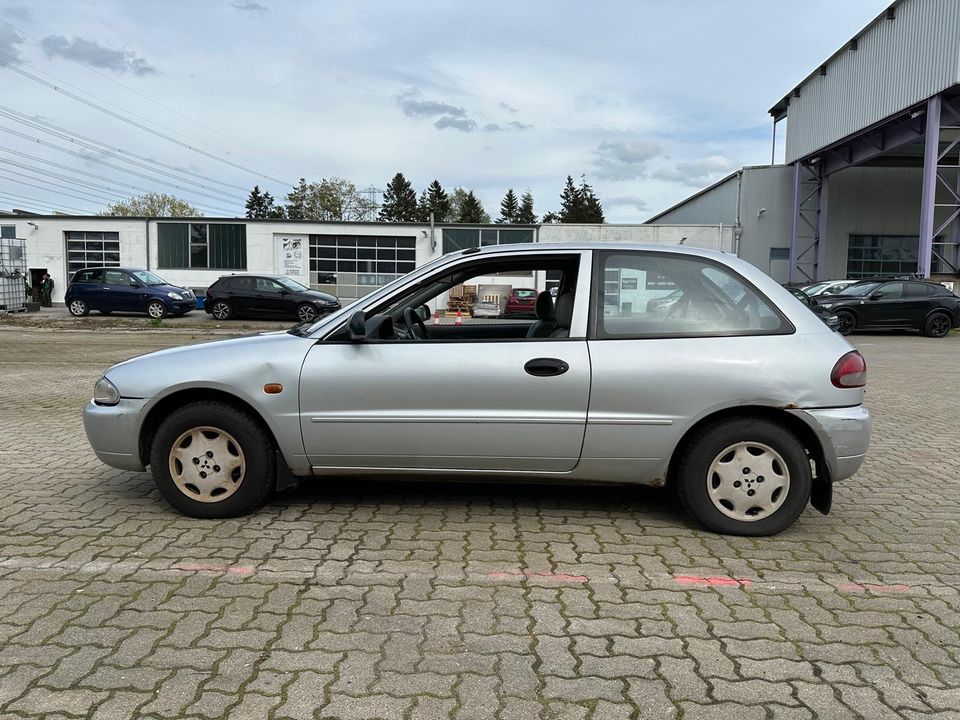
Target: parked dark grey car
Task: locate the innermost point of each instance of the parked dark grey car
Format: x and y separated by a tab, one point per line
895	305
267	296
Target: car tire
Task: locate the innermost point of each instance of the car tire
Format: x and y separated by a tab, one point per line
718	487
938	325
221	310
307	312
226	443
78	307
156	310
847	323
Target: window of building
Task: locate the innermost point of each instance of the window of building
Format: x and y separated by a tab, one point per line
888	256
360	262
8	231
213	246
456	239
91	249
650	295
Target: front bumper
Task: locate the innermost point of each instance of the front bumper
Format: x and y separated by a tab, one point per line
844	434
182	306
114	432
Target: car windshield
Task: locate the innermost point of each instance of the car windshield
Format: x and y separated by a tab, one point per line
858	290
813	288
148	278
291	284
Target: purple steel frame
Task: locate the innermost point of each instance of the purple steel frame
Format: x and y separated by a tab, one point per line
811	186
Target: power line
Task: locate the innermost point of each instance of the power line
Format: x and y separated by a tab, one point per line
75	194
152	100
88	174
10	197
20	177
88	158
97	146
56	88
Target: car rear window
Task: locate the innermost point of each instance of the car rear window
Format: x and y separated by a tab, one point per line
525	293
88	276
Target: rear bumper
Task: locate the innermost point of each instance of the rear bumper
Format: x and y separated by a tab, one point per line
844	434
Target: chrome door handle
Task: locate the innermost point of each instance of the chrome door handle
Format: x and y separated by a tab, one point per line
545	367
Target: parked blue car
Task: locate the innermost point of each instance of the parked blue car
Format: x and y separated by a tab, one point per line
114	289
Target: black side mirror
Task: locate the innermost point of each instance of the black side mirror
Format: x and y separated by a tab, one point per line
357	326
134	283
876	296
423	312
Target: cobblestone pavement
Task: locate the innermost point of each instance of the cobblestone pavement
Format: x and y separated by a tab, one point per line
406	600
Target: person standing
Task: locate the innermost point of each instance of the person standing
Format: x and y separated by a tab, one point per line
46	291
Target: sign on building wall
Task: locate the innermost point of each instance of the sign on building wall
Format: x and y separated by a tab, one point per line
292	253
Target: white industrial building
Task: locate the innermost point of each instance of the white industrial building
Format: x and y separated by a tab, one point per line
871	180
347	259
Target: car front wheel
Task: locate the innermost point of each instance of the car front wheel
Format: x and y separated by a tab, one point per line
306	312
745	476
937	325
156	310
846	322
78	307
212	460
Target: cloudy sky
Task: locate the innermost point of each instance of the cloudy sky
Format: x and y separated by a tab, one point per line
651	100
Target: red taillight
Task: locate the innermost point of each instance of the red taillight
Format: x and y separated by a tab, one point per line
850	371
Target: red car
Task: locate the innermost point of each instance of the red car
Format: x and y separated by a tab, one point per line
521	301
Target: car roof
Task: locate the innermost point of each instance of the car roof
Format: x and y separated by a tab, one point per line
112	267
272	276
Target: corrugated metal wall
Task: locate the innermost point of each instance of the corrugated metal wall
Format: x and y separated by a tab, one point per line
898	63
714	205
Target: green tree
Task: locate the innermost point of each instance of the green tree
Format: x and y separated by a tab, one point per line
256	204
592	209
399	201
330	199
297	201
509	208
434	200
550	218
273	210
464	203
525	215
153	205
571	203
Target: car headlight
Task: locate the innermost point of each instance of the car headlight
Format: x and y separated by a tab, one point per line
175	296
105	392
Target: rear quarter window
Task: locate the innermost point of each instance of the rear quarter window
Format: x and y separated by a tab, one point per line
659	295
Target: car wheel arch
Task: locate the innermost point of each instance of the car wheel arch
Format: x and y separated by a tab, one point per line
941	311
804	433
167	404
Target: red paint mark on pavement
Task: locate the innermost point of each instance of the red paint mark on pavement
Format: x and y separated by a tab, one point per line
872	587
226	569
717	581
530	574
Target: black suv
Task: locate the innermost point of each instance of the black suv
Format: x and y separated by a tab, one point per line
895	305
266	296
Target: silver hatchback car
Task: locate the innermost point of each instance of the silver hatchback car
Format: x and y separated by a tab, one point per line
733	393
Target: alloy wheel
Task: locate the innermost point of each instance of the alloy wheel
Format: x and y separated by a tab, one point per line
307	313
156	310
220	310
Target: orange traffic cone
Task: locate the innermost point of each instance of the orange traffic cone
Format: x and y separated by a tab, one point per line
436	317
459	320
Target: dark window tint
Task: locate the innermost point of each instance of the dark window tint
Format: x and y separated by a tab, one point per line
8	231
917	290
89	276
115	277
891	291
243	284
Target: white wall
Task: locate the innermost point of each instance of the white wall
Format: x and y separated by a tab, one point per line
702	236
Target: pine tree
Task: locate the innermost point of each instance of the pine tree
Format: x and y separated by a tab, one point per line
438	203
297	201
591	208
571	203
271	209
525	215
550	217
399	201
471	211
255	205
509	208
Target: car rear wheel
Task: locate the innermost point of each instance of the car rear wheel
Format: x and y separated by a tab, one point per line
846	322
156	310
745	476
221	310
937	325
78	307
212	460
306	312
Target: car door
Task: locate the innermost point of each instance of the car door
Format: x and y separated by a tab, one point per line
87	286
272	298
513	404
240	293
916	304
884	306
118	293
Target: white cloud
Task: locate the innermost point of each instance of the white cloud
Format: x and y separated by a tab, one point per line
618	160
10	42
249	6
697	173
93	53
